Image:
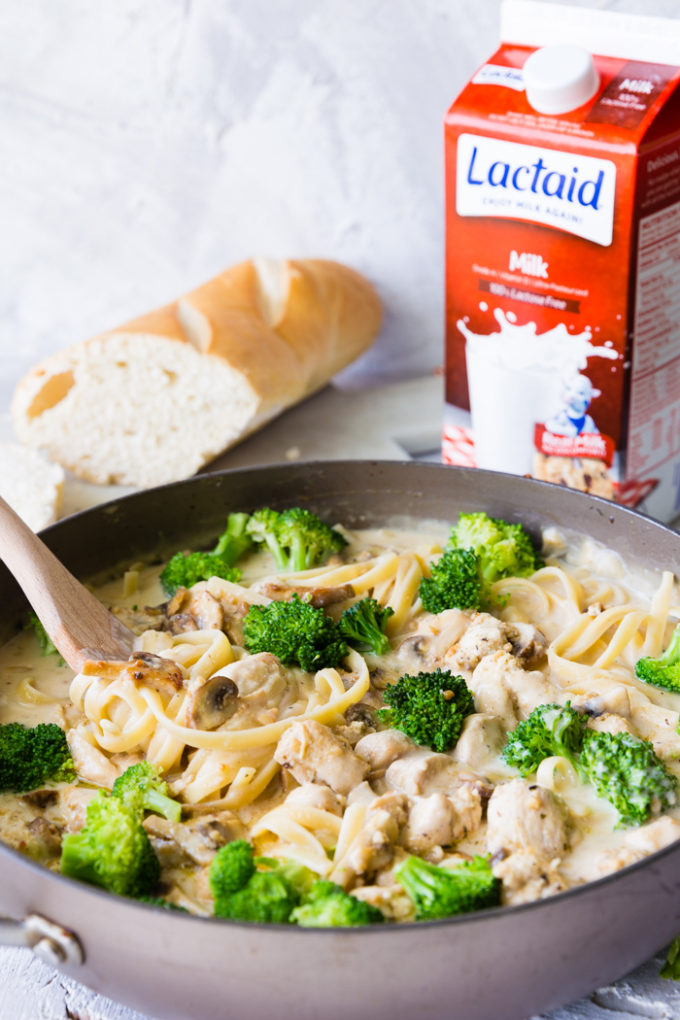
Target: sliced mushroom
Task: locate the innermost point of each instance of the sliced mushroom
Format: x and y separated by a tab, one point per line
212	702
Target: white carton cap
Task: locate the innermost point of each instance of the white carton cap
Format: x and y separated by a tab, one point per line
560	78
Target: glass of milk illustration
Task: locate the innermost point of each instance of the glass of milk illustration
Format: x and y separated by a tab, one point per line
518	378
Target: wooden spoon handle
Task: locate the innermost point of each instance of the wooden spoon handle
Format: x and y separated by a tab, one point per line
78	624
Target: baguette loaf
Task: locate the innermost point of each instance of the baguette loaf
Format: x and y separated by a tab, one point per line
30	484
156	399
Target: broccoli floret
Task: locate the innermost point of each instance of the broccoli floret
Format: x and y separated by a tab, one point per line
295	632
297	875
429	707
454	582
112	851
296	538
242	893
186	569
671	968
141	788
47	645
664	671
549	730
32	756
628	773
363	624
327	905
503	549
441	892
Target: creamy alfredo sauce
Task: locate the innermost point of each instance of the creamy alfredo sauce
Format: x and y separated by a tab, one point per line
35	688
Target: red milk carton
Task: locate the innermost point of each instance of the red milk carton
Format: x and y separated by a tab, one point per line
563	256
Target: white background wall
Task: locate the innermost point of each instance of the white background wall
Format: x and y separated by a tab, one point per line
147	144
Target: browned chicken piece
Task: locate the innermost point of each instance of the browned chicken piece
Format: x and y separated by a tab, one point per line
145	668
73	801
258	678
373	847
522	817
391	900
616	700
433	638
467	799
480	740
420	773
235	601
431	823
320	598
654	835
609	722
526	689
382	748
485	635
313	754
90	763
197	607
610	861
315	796
195	840
527	877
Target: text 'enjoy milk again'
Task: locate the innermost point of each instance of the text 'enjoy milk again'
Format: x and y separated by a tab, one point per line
563	256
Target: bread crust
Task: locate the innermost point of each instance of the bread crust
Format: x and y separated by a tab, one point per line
270	332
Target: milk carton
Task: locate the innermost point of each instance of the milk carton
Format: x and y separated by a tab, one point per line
563	256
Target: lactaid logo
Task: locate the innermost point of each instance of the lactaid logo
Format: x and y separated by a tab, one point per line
564	190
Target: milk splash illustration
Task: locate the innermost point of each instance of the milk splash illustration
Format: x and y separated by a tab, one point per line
517	378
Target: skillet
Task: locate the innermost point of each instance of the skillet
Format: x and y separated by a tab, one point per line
502	964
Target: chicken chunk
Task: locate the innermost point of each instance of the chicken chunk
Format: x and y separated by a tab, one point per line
522	817
257	674
382	748
485	635
609	722
315	796
314	754
431	822
526	688
420	773
480	741
90	763
372	849
526	877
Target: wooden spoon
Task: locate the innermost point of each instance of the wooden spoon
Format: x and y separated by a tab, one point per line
78	624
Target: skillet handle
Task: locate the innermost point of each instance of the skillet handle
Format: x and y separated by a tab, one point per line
49	941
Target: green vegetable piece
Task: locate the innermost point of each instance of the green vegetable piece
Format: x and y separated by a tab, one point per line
32	756
296	538
627	772
664	671
47	645
503	549
442	892
363	624
430	708
186	569
671	968
141	788
112	851
327	905
549	730
454	582
295	632
242	893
